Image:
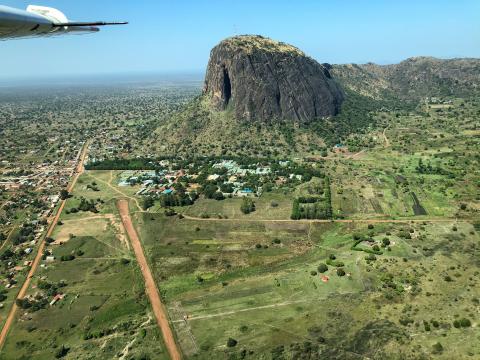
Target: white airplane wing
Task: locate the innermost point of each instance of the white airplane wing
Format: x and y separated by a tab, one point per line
41	21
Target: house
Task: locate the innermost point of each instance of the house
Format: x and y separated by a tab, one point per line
50	259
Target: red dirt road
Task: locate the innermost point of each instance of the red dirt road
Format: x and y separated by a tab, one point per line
38	257
150	287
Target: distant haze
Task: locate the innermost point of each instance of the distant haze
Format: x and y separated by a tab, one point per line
115	80
176	36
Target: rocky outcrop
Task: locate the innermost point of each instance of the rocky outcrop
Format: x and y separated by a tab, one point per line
414	78
264	80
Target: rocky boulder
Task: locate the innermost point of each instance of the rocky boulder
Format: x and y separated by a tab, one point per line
265	80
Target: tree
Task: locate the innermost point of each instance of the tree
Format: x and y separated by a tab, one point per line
64	194
218	196
247	206
340	272
148	202
232	342
322	268
296	210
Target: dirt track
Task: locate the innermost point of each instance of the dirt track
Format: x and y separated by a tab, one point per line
150	287
38	257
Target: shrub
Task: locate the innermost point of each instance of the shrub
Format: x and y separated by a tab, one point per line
437	348
313	273
371	257
465	323
322	268
340	272
62	352
247	206
232	342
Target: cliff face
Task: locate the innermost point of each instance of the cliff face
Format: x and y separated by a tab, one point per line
264	80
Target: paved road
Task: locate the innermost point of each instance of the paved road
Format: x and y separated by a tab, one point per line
38	257
150	286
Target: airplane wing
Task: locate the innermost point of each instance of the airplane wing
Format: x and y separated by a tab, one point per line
41	21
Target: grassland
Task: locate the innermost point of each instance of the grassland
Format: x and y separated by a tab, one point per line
401	254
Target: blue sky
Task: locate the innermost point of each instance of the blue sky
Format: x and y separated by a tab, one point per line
177	35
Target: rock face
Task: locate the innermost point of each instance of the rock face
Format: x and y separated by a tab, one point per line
264	80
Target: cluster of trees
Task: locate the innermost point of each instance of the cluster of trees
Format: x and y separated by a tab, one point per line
39	302
26	233
314	207
50	289
180	198
428	168
85	205
211	192
123	164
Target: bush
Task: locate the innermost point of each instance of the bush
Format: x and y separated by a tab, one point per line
465	323
437	348
67	258
313	273
371	257
62	352
340	272
322	268
247	206
232	342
